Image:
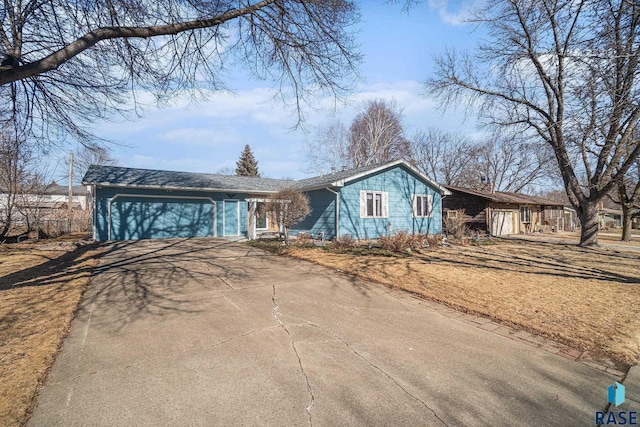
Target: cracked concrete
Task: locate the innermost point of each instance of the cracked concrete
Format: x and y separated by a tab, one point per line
207	332
382	371
276	314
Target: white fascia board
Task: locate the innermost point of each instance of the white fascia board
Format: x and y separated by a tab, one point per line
443	191
320	186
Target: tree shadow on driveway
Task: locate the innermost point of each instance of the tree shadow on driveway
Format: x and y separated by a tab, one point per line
159	278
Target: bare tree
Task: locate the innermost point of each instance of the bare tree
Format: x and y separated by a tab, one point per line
445	157
556	195
289	207
327	151
15	176
89	155
563	70
32	192
376	135
226	170
508	163
67	64
628	197
499	163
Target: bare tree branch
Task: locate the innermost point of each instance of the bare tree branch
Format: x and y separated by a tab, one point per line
565	71
67	64
376	135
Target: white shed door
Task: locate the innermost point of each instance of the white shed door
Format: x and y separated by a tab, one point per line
501	223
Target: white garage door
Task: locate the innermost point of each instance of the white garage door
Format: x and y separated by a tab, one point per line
501	223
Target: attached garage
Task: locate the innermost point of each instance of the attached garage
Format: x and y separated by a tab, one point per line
152	217
131	204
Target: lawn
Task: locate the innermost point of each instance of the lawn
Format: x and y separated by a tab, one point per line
40	287
586	298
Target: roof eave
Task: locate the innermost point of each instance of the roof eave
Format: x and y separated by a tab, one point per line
172	188
441	189
320	186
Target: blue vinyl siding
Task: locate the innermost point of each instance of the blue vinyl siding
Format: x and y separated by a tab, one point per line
322	216
401	185
151	214
138	213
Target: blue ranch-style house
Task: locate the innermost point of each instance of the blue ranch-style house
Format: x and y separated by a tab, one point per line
365	202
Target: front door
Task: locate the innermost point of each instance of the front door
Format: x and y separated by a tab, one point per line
231	219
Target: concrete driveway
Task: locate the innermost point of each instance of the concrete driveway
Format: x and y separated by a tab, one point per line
208	332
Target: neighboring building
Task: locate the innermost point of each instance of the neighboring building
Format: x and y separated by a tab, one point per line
48	210
52	199
609	217
366	203
501	213
57	197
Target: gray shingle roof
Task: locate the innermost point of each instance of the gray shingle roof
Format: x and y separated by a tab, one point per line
327	180
64	189
119	176
149	178
340	178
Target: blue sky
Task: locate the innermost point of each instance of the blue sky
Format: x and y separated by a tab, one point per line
209	135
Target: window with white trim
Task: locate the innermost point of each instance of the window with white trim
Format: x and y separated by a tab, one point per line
374	204
422	205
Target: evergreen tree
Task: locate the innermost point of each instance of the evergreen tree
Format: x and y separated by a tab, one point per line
247	165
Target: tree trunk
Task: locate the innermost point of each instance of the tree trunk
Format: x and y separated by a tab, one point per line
626	222
589	224
3	231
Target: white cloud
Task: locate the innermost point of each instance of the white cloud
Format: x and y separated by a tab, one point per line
455	12
209	135
204	136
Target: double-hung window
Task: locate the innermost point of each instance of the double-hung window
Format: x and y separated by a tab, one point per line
422	205
373	204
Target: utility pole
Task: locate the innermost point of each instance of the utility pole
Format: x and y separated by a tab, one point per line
70	190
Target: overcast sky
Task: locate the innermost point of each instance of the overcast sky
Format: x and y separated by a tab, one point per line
398	49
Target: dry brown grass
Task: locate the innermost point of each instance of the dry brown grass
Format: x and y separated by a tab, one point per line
40	287
586	298
615	235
